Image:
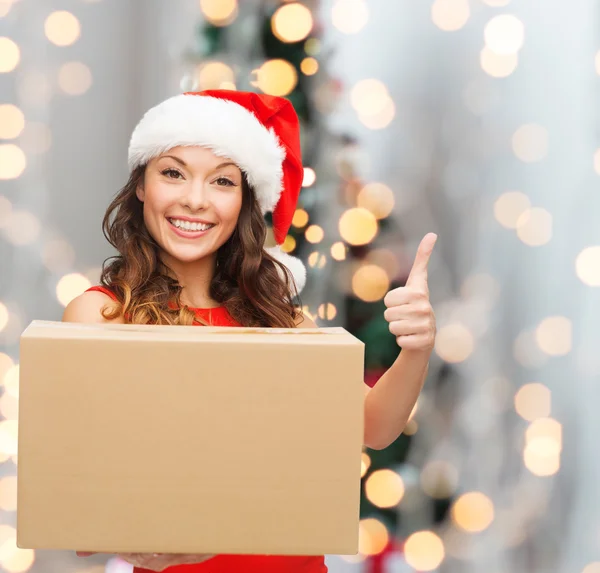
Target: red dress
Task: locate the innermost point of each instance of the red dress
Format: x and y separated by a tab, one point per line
238	563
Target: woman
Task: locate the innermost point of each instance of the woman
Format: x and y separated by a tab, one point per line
190	233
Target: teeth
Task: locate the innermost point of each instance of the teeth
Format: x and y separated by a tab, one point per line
188	226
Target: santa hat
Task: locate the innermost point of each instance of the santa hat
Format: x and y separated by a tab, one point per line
259	132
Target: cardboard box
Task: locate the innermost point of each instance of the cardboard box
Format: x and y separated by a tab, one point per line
189	439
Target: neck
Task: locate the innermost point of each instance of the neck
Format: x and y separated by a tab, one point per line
195	278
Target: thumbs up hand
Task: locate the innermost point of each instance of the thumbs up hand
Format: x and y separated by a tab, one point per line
409	312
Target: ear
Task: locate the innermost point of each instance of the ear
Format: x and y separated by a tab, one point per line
140	192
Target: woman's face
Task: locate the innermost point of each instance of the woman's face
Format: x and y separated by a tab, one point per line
192	199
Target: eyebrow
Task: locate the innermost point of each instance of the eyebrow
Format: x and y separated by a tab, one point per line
184	164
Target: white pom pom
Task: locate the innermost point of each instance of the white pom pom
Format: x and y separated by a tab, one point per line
294	265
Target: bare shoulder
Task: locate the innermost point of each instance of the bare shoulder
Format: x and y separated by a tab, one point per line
303	321
87	308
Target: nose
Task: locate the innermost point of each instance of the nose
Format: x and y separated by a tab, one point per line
196	196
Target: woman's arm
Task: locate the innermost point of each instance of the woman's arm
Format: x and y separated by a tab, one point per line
389	403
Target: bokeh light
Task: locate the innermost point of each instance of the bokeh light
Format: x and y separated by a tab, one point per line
327	311
473	511
373	536
10	381
219	12
338	251
62	28
587	266
309	66
314	234
450	15
74	78
504	34
292	22
12	161
212	75
384	488
10	55
534	227
365	463
527	352
23	228
276	77
8	493
424	550
509	207
554	335
300	218
317	260
530	142
370	283
439	479
6	363
592	567
454	343
71	286
377	198
498	65
9	437
289	244
12	121
309	177
349	16
533	401
358	226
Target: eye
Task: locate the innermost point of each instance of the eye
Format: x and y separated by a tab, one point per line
225	182
171	173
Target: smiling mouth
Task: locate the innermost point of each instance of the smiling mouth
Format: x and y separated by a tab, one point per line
189	226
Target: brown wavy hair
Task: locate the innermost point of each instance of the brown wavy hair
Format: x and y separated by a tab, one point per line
255	289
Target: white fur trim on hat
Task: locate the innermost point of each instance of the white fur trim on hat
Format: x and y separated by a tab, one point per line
295	266
225	127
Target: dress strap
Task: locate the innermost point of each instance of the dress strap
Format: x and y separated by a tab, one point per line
104	290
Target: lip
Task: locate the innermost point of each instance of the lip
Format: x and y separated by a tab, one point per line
189	234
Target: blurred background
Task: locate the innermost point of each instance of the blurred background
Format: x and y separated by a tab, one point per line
474	119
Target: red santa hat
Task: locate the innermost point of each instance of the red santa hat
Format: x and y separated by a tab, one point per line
259	132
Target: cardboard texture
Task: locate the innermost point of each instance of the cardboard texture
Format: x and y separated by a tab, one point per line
189	439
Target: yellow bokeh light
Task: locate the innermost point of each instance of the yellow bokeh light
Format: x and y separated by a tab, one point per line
554	335
9	436
276	77
300	218
12	121
533	401
314	234
309	177
9	406
212	75
5	6
10	381
317	260
540	460
292	22
358	226
411	428
587	266
71	286
312	46
424	551
473	511
309	66
62	28
373	536
377	198
370	283
380	120
450	15
8	493
509	207
547	432
365	464
454	343
327	311
23	228
219	12
369	97
534	227
384	488
74	78
498	65
504	34
10	55
12	161
6	363
3	317
14	559
349	16
530	142
338	251
439	479
592	567
289	244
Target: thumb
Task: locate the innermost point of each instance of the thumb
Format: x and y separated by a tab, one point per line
419	268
